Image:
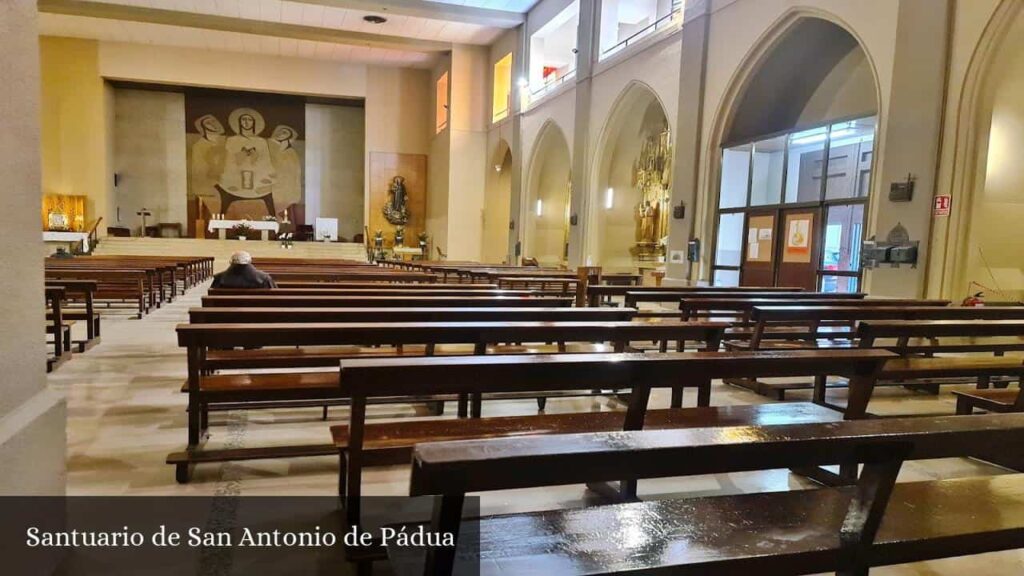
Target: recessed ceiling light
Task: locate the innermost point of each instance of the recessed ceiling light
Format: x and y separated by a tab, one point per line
374	19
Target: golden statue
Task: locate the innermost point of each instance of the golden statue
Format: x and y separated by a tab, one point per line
652	176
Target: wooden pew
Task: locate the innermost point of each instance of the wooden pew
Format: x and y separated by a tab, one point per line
598	292
363	380
161	277
846	530
83	290
383	301
133	285
372	292
918	340
270	315
313	275
373	285
56	325
256	390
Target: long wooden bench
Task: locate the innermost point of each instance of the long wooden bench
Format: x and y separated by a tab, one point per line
58	326
255	390
918	340
453	291
363	380
373	275
846	530
161	280
374	285
384	301
126	285
632	299
596	293
82	290
268	315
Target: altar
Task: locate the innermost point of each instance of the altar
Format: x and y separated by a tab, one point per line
69	239
264	226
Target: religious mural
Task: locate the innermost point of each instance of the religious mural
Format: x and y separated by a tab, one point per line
245	155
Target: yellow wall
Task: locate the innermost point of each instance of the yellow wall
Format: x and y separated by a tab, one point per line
74	124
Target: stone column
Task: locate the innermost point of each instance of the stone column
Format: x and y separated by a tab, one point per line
32	417
687	139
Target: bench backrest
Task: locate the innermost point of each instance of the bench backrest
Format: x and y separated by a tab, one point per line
382	291
525	462
374	285
464	374
870	330
384	301
477	333
815	313
263	315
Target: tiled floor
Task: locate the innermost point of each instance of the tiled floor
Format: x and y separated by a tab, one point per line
125	414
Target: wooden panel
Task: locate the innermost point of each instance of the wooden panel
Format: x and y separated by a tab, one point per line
384	166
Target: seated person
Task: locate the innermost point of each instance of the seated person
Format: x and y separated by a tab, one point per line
242	274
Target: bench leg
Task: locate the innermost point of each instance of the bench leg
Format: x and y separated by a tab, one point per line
818	396
542	403
704	394
342	475
983	382
183	472
476	405
437	408
324	417
463	405
963	406
677	397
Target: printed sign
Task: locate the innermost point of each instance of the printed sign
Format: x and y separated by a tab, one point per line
943	203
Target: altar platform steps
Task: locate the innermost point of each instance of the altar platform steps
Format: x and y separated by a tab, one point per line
221	250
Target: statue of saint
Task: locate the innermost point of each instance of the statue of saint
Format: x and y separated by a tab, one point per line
396	210
647	213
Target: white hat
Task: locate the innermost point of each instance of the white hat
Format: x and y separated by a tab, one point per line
241	257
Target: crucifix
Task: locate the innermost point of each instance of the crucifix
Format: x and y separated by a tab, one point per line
144	213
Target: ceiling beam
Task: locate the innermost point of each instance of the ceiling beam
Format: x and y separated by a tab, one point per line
127	13
431	10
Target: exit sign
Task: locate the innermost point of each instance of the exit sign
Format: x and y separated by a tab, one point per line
943	202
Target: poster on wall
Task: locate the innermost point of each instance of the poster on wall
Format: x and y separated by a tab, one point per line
798	238
245	155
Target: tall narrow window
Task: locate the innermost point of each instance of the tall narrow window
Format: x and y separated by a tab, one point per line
441	114
501	98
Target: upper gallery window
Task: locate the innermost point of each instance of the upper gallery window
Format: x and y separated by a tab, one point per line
441	113
502	86
553	50
626	21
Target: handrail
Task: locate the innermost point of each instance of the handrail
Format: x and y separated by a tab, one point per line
677	11
92	235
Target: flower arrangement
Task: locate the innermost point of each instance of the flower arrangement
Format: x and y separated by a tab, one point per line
242	230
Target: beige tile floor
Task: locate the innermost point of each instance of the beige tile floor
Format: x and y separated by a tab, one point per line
125	414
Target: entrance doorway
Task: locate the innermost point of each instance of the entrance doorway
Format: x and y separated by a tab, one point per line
791	208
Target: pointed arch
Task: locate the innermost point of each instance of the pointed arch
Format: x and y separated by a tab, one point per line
970	150
637	115
545	212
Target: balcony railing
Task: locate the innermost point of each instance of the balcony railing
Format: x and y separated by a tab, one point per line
666	21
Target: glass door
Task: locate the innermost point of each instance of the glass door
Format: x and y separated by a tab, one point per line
798	261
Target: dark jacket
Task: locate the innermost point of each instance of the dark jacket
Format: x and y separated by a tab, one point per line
243	276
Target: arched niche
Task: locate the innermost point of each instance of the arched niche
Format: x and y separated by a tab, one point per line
991	246
796	127
620	218
497	205
546	210
814	72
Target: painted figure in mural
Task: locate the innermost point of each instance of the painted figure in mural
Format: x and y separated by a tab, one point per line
396	210
248	172
288	164
207	160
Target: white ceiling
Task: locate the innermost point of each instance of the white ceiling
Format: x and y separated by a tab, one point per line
285	12
177	36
